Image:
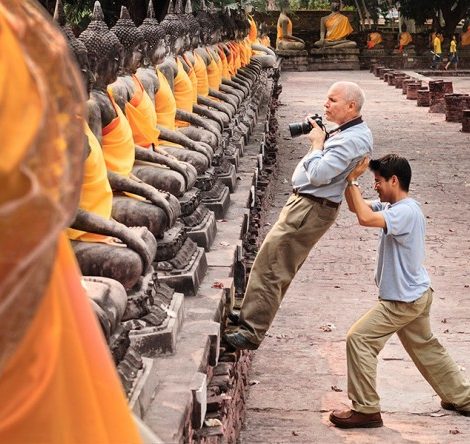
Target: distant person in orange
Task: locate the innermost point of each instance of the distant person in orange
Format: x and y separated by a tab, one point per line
58	383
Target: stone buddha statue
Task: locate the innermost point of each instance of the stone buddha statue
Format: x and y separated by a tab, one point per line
374	40
135	203
465	36
157	168
334	28
285	40
103	246
405	39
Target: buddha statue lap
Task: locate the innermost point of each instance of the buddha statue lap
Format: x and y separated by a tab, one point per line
285	40
334	28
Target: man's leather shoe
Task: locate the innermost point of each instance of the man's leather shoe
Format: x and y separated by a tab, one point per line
449	406
350	419
239	342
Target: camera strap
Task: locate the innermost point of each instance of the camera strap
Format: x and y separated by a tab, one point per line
344	126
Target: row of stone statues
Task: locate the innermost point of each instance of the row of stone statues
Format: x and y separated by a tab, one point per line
163	100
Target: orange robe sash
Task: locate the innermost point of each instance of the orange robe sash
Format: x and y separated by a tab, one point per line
253	33
117	143
213	73
140	113
338	27
192	76
61	384
280	35
225	66
96	195
183	92
165	103
200	70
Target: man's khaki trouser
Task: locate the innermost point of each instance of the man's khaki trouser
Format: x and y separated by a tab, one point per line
410	321
301	224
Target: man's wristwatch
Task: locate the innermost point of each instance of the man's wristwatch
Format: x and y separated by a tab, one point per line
353	182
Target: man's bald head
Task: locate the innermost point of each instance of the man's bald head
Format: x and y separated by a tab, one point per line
351	93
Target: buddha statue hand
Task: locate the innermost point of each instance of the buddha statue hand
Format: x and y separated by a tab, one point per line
168	203
109	300
161	157
93	223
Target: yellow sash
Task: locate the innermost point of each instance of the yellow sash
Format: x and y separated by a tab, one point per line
200	70
96	194
140	113
183	91
253	33
165	103
213	73
117	142
225	65
192	76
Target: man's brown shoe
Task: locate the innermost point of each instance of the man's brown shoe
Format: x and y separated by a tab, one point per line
350	419
449	406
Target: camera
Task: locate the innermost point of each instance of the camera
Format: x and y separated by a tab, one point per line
297	129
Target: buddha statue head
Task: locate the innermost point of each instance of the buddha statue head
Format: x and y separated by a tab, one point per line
156	48
174	30
76	46
336	6
205	24
132	40
104	49
192	24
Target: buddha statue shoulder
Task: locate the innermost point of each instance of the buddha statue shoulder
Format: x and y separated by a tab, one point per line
334	28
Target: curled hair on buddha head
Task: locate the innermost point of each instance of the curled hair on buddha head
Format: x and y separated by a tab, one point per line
393	165
153	33
191	22
99	41
77	47
126	31
172	25
205	22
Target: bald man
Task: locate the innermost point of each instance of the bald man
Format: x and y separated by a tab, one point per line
318	182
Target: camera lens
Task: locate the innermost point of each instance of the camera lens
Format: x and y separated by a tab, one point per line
295	129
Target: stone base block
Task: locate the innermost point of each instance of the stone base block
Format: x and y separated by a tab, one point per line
144	388
294	60
334	59
219	204
204	233
230	178
188	279
154	341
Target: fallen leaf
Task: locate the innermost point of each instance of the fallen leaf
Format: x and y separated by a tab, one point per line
218	284
253	382
444	321
336	389
212	422
454	431
224	244
294	433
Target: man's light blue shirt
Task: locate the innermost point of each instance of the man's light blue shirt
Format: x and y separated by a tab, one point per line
323	173
400	273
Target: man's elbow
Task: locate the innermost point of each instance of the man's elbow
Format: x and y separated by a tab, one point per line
365	220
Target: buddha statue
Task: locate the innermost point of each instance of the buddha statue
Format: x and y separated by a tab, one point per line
135	203
334	28
374	40
154	167
465	36
103	247
285	40
261	52
405	40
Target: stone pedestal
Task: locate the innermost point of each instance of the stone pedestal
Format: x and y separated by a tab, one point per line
334	59
293	60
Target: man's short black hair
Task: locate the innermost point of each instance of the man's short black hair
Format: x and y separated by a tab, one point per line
393	165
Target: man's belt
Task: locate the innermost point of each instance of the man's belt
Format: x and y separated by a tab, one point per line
320	200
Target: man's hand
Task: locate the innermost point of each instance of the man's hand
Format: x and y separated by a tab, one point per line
317	135
358	169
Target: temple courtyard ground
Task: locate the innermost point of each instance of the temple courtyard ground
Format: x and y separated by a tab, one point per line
299	372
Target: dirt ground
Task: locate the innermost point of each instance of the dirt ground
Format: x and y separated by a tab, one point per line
299	372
